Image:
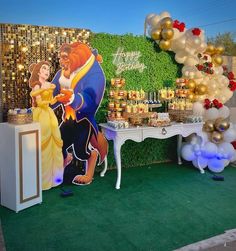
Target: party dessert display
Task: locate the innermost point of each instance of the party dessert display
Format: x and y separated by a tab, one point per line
159	119
19	116
117	99
181	106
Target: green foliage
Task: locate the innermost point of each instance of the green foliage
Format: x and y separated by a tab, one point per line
227	40
161	70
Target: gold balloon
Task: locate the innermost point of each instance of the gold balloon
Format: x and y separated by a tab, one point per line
167	33
156	34
217	60
191	96
222	125
210	49
191	84
220	49
166	22
201	89
208	126
165	45
216	137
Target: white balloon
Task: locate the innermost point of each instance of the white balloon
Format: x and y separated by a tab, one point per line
233	159
226	148
187	152
229	135
154	21
178	44
209	150
200	162
196	147
225	95
218	70
216	165
164	14
211	114
191	60
198	109
149	17
179	59
224	112
202	47
198	75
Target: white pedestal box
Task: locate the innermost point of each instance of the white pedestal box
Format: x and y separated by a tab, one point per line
20	165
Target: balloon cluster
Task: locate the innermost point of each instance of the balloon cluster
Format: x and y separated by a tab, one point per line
196	90
217	153
202	63
206	79
204	153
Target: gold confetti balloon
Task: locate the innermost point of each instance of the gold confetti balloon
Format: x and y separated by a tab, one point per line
165	45
167	33
208	126
156	34
216	137
222	125
166	22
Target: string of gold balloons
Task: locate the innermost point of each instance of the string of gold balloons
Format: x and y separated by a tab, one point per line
164	33
216	129
215	52
195	90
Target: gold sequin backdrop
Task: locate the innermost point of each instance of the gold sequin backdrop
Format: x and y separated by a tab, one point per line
22	45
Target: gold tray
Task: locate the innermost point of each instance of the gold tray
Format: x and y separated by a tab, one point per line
20	119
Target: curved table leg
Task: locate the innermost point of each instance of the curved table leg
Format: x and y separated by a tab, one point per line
117	148
105	168
179	144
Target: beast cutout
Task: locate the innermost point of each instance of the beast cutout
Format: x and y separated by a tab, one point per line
80	85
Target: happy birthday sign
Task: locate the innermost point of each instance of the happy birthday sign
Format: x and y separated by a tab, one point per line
126	61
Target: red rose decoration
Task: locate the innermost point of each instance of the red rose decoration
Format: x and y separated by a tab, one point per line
207	101
178	25
196	31
215	102
220	105
232	85
230	75
181	27
200	67
207	107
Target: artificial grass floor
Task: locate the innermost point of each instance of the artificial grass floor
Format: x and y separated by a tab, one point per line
158	208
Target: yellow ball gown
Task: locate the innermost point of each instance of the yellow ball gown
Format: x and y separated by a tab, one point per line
51	142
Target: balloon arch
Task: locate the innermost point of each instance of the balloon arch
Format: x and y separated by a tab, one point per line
210	85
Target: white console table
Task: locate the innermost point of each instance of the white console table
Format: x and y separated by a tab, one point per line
138	134
20	165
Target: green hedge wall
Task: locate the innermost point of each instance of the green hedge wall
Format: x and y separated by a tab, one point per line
162	70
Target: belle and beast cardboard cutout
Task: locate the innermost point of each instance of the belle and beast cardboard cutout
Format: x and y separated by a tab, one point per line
79	88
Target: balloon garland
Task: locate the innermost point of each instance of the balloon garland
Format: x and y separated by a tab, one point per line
209	85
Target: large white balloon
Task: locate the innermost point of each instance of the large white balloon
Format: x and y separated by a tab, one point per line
200	162
198	109
164	14
211	114
233	159
218	70
187	152
227	149
224	112
216	165
178	44
191	60
149	18
209	150
229	135
154	21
